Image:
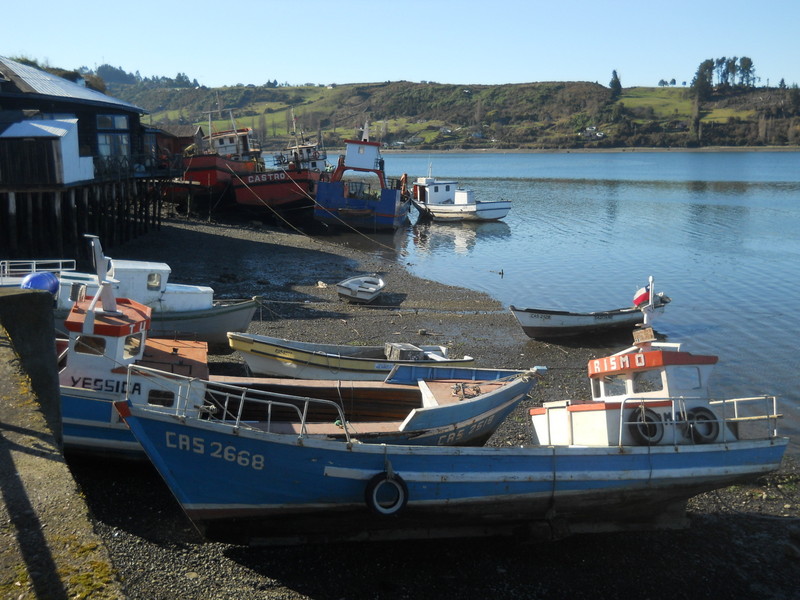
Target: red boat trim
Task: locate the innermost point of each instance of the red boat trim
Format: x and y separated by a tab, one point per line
640	361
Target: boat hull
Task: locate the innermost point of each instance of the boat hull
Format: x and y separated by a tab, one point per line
335	208
479	211
361	289
267	488
282	190
210	325
275	357
546	324
216	172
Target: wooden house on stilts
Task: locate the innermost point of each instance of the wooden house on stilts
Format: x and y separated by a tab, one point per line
72	161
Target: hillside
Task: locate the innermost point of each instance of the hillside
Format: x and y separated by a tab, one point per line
426	116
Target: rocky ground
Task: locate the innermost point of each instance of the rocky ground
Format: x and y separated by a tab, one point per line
744	542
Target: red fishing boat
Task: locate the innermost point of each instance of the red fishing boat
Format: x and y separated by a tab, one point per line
214	160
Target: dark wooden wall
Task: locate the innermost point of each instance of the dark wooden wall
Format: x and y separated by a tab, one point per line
50	222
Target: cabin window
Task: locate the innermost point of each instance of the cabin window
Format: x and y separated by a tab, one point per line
161	398
447	188
647	381
133	344
87	344
614	385
684	378
436	188
154	281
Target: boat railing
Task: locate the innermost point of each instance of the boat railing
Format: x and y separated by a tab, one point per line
233	405
281	159
19	268
735	416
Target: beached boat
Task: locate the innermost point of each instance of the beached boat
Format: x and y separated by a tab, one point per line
354	203
216	158
415	405
444	200
277	357
178	309
14	272
542	323
361	289
289	187
629	459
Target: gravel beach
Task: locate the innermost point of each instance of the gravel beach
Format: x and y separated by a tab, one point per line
744	542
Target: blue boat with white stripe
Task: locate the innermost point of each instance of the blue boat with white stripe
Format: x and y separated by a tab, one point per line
627	459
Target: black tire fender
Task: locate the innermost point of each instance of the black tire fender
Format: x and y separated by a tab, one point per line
645	426
702	425
385	500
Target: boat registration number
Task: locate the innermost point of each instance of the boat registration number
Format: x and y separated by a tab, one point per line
218	450
468	432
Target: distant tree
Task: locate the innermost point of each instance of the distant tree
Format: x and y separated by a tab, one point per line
111	74
615	85
702	84
782	84
747	72
672	81
662	83
181	80
721	67
733	70
794	99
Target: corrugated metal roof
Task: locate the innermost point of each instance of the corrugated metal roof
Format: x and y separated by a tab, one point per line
41	82
53	128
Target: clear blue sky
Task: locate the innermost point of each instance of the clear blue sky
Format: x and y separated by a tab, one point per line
446	41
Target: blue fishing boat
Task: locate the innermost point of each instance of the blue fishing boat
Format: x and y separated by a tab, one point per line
109	357
629	458
368	202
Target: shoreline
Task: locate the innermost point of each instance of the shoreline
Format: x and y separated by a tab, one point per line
705	149
158	554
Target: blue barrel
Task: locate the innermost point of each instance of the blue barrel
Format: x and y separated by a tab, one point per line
41	281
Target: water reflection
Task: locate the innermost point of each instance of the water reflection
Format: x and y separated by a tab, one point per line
429	236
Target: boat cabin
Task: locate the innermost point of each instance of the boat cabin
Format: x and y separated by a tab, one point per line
146	281
233	142
652	393
301	156
657	370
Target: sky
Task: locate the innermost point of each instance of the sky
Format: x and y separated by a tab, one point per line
443	41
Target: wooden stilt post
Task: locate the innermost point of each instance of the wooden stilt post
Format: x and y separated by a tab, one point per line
12	224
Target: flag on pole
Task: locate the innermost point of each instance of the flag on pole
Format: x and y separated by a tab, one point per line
642	296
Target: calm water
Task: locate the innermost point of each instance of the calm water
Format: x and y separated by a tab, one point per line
720	233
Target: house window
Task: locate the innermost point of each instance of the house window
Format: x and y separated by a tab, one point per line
114	144
112	122
113	137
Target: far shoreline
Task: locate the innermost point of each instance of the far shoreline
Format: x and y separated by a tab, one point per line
705	149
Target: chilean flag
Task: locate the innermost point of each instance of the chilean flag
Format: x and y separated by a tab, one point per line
642	296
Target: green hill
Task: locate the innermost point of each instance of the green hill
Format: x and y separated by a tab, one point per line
426	116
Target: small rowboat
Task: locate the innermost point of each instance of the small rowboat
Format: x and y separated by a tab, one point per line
277	357
541	323
361	289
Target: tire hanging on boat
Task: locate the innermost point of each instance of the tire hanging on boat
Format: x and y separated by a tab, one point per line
702	425
645	426
386	500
